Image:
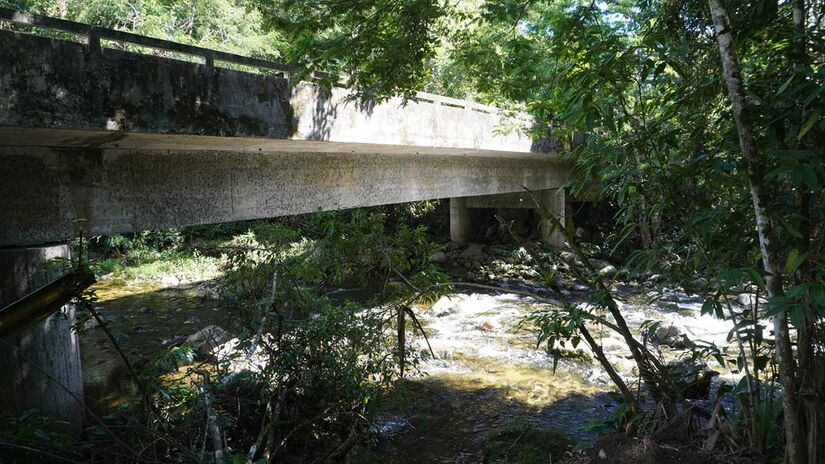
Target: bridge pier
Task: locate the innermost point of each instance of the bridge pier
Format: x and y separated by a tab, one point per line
554	200
39	364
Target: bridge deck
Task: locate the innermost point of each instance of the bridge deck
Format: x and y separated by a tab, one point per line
55	182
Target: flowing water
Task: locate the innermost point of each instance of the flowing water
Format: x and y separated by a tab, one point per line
487	378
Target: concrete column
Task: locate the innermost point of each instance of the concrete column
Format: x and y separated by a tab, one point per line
556	202
39	364
461	223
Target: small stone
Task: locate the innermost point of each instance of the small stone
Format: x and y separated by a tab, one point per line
438	257
608	270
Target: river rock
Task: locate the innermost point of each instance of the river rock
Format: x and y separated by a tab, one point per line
749	299
169	281
607	271
668	336
473	252
207	339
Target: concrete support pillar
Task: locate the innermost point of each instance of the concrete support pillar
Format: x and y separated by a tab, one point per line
556	202
39	366
461	223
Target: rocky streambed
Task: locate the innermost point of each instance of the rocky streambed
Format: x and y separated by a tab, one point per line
489	394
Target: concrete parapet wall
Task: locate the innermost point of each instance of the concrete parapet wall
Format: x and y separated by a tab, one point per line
50	83
435	122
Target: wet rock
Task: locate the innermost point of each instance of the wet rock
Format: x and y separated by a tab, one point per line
668	336
177	340
749	299
607	271
206	291
568	257
656	278
488	326
206	340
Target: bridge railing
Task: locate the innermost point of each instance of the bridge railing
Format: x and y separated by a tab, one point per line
93	35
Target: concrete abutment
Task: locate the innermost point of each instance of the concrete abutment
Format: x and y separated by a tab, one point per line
40	364
554	201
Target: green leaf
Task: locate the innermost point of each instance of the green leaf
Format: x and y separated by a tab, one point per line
812	119
796	314
795	259
785	85
756	277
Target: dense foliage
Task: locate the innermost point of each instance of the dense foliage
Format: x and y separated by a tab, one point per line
645	81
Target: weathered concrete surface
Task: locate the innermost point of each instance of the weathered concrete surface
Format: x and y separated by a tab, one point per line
60	84
442	122
41	365
125	182
515	200
49	83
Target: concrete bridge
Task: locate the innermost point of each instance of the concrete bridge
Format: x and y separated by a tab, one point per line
100	138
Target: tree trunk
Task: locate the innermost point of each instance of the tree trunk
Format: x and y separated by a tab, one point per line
794	450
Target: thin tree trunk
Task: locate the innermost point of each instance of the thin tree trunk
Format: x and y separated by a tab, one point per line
402	340
794	450
614	376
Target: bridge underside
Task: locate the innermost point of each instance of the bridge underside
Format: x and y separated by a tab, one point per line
56	182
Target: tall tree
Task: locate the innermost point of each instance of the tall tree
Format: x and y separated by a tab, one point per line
795	453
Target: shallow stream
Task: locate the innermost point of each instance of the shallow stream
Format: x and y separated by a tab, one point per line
488	378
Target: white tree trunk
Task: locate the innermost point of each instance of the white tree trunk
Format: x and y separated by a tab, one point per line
794	453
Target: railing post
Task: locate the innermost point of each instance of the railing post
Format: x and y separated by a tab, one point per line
94	43
208	77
